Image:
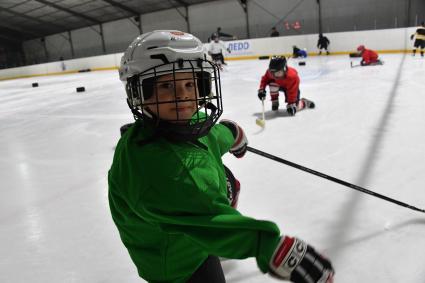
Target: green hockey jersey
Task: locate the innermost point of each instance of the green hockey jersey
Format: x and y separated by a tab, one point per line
169	203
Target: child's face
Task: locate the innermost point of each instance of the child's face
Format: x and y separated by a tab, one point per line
183	90
279	74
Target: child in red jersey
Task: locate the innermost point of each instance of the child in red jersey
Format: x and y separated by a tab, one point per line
280	77
369	57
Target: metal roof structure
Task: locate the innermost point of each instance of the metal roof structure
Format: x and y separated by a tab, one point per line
21	20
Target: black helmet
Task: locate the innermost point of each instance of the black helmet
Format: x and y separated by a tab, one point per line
277	63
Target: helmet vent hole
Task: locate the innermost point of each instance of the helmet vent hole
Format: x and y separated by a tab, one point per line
161	57
180	63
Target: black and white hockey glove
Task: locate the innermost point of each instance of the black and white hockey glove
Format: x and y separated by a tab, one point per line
298	262
291	108
262	94
241	142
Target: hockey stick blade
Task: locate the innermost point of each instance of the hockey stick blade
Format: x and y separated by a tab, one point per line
333	179
260	122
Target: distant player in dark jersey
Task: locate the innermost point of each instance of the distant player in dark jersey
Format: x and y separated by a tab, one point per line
323	43
420	39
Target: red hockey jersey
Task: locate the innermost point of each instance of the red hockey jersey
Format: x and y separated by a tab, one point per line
289	83
369	56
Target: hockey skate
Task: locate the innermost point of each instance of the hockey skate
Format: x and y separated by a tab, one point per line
275	105
308	103
380	62
219	65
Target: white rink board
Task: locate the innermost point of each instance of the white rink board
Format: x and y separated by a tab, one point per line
388	40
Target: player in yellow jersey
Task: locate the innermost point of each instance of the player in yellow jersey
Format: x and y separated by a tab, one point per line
419	36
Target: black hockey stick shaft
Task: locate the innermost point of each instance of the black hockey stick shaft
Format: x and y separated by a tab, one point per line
333	179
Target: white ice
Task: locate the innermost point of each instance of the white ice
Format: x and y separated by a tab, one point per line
368	129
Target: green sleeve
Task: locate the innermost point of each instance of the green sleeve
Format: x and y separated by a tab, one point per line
207	219
224	138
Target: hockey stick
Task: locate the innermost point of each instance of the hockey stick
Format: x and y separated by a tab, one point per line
261	122
333	179
353	66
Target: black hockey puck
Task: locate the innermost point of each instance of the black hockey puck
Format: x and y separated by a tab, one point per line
81	89
34	84
301	63
264	57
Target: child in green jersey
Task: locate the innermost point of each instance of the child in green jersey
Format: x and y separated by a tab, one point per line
170	196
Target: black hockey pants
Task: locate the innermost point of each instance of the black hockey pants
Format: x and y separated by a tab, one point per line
209	272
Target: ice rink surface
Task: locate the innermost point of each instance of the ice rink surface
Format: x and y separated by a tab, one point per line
368	129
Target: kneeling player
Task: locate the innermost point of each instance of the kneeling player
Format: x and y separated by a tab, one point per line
280	77
369	57
298	53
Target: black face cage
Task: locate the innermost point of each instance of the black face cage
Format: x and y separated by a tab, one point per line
278	64
208	99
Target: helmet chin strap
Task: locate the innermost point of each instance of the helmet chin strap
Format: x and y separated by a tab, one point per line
183	132
178	132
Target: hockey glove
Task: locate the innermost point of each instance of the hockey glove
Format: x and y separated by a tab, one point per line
291	108
241	142
298	262
262	94
412	36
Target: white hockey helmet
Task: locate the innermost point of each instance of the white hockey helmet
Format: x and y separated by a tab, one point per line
161	52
